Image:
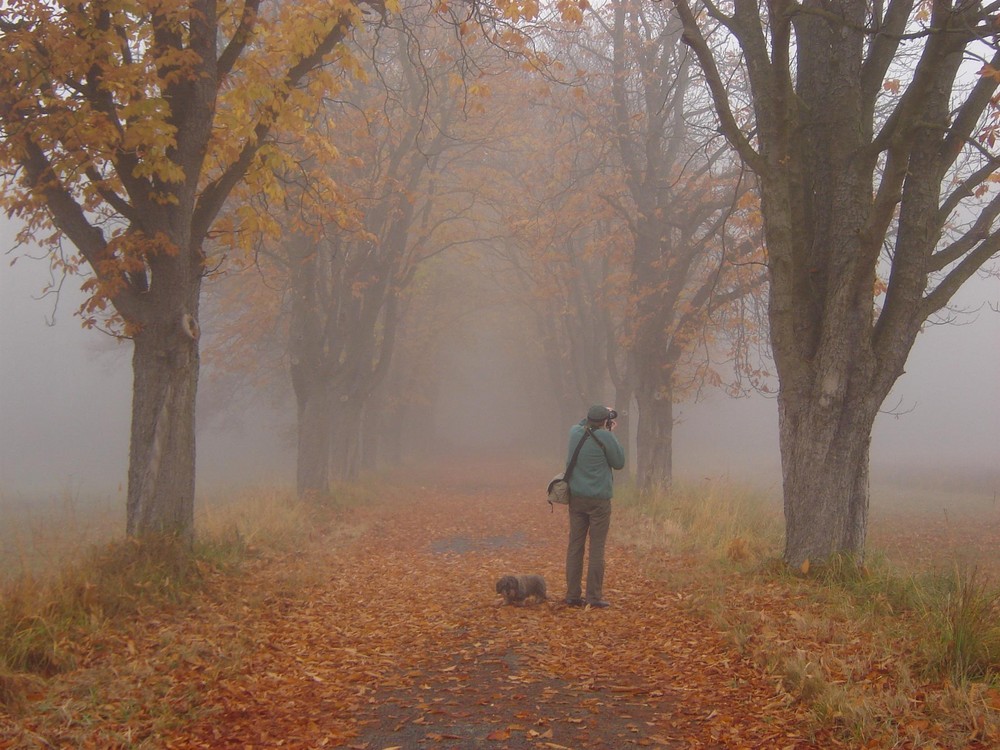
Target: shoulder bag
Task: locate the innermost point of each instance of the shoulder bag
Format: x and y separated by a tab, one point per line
558	490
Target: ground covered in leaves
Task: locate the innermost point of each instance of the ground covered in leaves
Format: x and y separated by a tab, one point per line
383	631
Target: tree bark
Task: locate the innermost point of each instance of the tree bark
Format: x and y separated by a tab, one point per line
161	474
310	368
654	437
623	404
825	470
346	443
312	465
372	429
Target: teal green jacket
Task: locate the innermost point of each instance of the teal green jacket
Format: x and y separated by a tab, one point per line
592	475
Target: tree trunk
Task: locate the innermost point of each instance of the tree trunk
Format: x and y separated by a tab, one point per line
346	442
310	368
391	435
623	404
370	436
312	473
825	468
161	474
654	438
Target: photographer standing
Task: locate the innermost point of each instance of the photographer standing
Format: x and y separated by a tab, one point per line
591	488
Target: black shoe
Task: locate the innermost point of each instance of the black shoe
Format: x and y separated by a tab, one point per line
574	602
598	604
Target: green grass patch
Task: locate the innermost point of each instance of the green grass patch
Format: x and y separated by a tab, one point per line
964	609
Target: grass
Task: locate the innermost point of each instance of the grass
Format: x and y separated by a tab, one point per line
720	519
39	535
254	518
968	627
910	657
48	611
41	617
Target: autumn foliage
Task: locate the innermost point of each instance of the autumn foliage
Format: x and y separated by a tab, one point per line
126	129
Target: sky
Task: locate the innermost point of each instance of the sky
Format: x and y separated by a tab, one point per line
65	401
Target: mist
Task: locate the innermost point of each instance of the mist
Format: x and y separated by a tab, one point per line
66	397
942	416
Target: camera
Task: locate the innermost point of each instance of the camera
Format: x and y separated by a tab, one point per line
609	423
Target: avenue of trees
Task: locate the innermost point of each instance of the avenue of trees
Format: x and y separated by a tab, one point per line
651	220
639	179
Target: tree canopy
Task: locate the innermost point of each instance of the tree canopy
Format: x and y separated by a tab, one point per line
125	129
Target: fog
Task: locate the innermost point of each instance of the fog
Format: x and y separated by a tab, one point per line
65	400
943	414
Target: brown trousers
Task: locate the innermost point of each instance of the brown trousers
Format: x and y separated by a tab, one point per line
591	517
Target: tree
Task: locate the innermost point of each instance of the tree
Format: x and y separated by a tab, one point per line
690	255
442	297
399	194
125	128
563	240
871	129
635	237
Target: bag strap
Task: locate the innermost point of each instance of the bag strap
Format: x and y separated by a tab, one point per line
603	447
572	462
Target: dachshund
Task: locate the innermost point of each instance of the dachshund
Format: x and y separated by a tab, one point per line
517	589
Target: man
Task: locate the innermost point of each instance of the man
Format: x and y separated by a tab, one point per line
591	486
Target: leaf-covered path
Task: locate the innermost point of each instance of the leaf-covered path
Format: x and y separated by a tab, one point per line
398	642
392	638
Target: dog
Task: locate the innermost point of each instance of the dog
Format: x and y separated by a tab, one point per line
517	589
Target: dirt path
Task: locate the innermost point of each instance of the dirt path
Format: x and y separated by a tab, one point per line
393	640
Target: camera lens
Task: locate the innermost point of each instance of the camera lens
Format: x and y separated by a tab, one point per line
612	414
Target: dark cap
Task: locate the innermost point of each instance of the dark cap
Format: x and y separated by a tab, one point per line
598	413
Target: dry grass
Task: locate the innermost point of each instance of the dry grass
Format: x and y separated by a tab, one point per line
39	535
41	618
888	655
256	517
65	590
967	620
718	518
